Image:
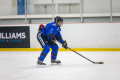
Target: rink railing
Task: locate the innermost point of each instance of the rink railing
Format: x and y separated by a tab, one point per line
62	15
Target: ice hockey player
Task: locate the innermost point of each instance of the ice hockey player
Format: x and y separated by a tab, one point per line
47	37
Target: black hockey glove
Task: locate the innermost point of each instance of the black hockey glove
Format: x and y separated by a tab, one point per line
64	44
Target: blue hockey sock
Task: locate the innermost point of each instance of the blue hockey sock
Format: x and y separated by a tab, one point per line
54	51
44	53
54	55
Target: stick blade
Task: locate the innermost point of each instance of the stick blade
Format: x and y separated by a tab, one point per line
99	63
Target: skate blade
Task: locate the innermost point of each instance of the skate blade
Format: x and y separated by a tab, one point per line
40	66
55	63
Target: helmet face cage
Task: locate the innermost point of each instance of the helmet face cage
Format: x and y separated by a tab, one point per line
57	19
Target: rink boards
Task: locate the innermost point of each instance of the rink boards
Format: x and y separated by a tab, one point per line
79	36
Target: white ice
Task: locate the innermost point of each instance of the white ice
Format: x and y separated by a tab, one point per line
22	66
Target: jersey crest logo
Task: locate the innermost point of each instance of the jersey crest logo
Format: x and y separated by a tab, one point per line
54	24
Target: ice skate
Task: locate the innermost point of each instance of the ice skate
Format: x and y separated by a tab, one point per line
53	62
40	63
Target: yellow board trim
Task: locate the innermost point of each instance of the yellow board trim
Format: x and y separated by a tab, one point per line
61	49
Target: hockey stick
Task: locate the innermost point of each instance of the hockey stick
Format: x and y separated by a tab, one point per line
84	56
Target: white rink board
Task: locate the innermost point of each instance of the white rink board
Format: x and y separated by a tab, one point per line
86	35
83	35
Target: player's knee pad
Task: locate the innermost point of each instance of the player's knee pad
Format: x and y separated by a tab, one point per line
55	48
46	49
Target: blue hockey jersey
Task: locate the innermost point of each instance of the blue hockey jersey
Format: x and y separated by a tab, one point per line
50	30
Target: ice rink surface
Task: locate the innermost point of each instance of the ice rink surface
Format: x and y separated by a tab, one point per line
22	66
